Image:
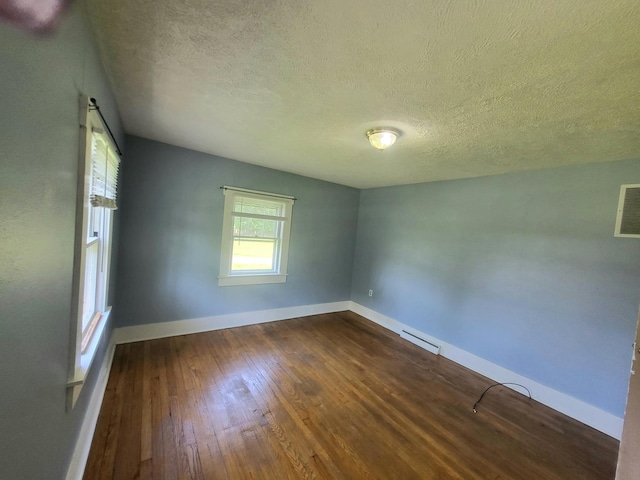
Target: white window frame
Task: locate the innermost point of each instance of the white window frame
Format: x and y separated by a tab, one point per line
81	358
279	273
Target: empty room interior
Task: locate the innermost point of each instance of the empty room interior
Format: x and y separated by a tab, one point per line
273	240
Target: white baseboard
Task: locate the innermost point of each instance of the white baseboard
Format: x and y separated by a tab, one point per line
83	443
152	331
570	406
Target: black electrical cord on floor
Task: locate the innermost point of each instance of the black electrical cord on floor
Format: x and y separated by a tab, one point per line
475	405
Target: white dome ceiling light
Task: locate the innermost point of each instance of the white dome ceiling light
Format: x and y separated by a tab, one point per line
382	138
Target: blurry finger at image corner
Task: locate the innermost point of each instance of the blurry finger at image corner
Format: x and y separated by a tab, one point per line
36	16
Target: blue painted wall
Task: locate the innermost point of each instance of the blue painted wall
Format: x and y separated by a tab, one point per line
522	270
171	231
41	80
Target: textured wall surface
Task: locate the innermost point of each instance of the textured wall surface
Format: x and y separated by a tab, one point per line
41	79
521	269
171	231
477	87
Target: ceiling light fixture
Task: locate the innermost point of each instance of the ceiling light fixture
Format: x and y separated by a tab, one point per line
382	138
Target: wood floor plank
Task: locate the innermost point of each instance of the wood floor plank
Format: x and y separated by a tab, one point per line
146	425
304	461
330	396
108	448
127	451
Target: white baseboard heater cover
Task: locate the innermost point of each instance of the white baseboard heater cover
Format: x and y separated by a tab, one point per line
421	342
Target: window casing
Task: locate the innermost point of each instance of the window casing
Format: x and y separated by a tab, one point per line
255	237
97	182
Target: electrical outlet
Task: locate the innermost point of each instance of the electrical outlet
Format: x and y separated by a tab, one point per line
371	293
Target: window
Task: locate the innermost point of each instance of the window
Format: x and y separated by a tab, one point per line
255	237
98	176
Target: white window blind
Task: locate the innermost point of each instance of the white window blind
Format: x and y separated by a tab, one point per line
104	174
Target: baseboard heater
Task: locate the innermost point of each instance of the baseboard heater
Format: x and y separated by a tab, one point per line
421	342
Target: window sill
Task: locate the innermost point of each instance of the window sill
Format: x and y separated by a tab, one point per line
86	359
251	279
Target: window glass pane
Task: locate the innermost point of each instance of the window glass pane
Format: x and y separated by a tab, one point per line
96	219
253	254
91	223
105	239
256	227
90	284
260	207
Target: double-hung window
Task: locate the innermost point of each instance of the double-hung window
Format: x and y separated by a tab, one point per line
97	182
255	237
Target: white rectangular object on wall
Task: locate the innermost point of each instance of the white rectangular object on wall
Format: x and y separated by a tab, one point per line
628	219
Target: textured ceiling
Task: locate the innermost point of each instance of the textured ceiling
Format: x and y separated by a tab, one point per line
476	87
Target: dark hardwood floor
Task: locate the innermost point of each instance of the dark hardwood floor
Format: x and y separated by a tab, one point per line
328	396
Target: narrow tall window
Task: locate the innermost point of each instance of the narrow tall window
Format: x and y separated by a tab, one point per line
255	237
97	184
